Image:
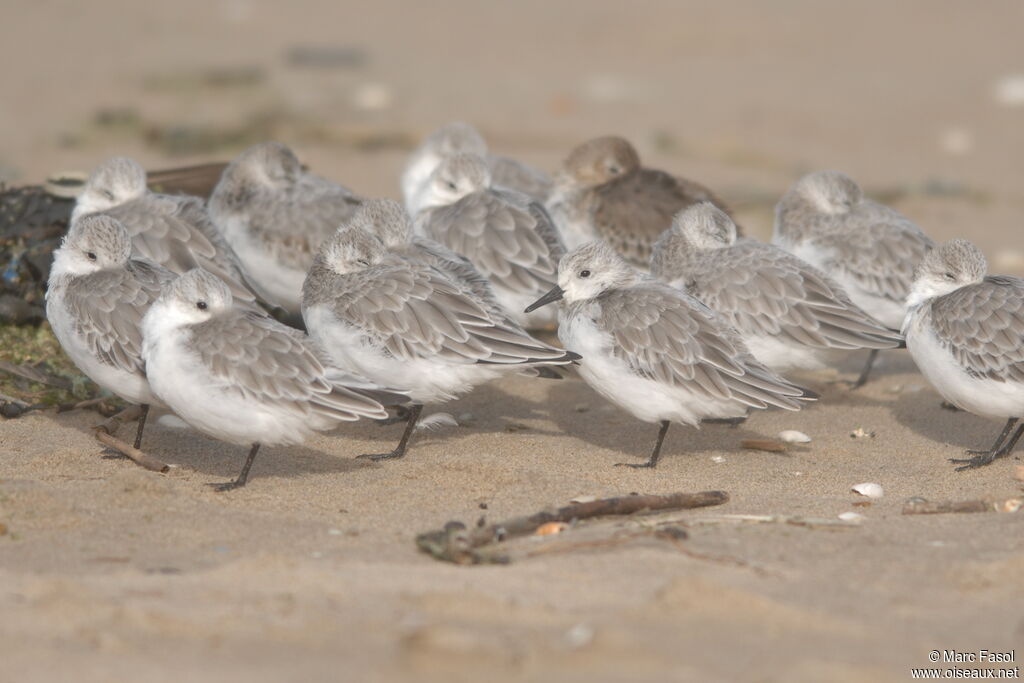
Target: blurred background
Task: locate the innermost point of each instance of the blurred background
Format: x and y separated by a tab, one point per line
922	102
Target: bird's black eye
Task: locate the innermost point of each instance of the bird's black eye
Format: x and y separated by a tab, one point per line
584	273
614	170
950	276
201	305
452	186
91	255
107	194
363	262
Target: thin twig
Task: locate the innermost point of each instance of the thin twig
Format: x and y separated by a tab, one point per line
920	506
456	544
35	375
87	403
137	456
113	423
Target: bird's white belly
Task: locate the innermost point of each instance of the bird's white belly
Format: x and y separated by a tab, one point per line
216	409
426	380
131	386
985	397
645	399
281	282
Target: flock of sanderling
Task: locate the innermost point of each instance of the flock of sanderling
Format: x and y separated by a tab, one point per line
665	309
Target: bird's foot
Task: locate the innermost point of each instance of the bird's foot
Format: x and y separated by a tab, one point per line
635	465
377	457
980	459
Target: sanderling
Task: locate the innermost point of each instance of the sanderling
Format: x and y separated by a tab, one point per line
462	138
275	214
790	314
602	192
655	351
965	331
173	231
868	248
506	235
95	301
404	323
242	377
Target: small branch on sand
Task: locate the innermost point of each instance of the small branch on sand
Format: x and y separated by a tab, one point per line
140	458
113	423
920	506
87	403
34	375
11	407
455	543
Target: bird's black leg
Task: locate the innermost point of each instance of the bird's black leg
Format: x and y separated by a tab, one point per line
1000	448
243	476
414	417
401	415
142	425
862	380
655	454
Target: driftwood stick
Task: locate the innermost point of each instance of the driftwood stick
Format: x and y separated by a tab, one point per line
137	456
87	403
455	543
34	375
113	423
920	506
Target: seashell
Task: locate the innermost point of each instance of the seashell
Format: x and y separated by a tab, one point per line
583	499
717	458
793	436
852	517
551	528
869	489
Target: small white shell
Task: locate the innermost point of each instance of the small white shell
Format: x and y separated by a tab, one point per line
869	489
793	436
583	499
852	517
717	458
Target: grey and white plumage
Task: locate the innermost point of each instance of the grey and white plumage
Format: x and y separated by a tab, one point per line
276	214
402	322
462	138
508	237
173	231
965	331
789	313
870	249
603	192
655	351
96	298
242	377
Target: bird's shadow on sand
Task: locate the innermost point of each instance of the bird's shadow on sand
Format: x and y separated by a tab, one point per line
922	413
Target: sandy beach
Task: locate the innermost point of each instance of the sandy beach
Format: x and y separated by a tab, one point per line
109	572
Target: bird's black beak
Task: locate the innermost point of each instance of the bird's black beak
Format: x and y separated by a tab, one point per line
555	294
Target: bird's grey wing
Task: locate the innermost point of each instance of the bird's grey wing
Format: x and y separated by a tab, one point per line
108	306
502	239
763	290
630	213
518	176
878	249
292	224
461	272
258	358
669	337
177	233
983	327
414	311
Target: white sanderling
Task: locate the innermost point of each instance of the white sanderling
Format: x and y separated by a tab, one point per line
506	235
462	138
603	192
95	300
275	214
401	322
870	249
174	231
965	331
655	351
790	314
242	377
